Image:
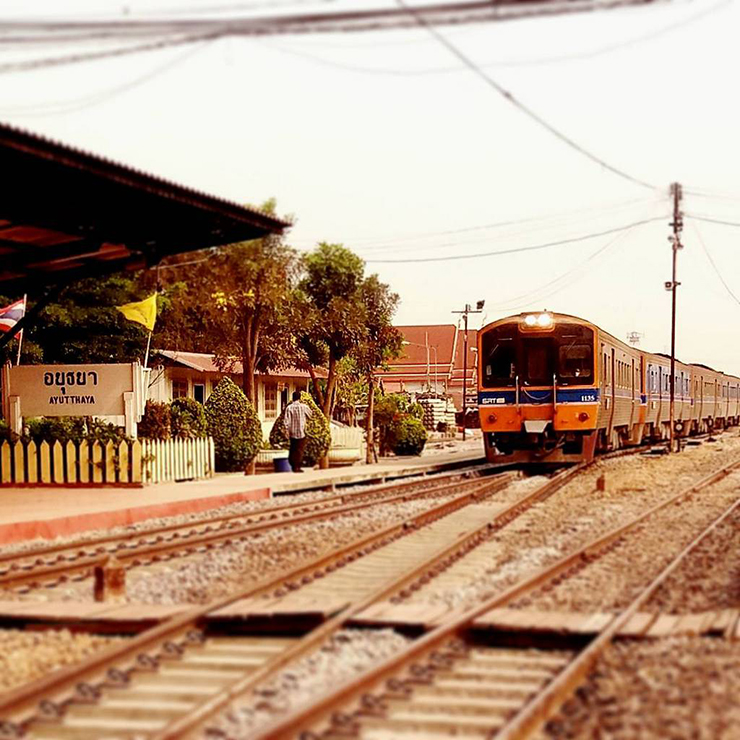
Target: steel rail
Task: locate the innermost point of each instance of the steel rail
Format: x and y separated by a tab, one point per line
136	554
317	711
186	724
85	544
48	696
546	703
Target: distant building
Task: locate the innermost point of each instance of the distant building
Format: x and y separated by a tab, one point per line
433	360
194	375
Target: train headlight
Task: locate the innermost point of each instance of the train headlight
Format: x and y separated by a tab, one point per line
544	319
530	320
492	418
583	416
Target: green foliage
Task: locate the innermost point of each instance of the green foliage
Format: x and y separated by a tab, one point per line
53	428
72	428
187	419
399	423
5	434
318	433
407	436
234	425
84	325
156	422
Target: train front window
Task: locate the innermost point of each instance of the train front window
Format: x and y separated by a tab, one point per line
538	361
499	359
575	364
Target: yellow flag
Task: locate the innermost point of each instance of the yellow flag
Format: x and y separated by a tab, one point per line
143	312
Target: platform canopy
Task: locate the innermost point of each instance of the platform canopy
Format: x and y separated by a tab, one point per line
66	214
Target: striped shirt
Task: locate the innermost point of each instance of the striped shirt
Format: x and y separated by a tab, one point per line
296	414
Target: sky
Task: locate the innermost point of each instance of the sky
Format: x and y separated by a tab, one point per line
386	143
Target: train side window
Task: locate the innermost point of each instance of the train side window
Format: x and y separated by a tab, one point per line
575	363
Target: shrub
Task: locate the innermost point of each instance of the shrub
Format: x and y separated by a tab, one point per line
318	433
155	424
187	419
234	425
407	436
56	428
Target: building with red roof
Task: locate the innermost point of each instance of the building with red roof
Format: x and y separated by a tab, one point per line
433	359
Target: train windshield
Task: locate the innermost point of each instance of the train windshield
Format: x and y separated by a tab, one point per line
499	357
566	354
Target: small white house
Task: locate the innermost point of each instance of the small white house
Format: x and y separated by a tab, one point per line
178	374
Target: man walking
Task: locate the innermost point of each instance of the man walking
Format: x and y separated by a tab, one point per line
296	414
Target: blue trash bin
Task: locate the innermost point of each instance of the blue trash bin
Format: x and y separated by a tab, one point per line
281	465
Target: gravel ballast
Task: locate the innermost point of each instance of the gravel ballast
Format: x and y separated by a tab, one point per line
574	516
25	656
679	688
343	656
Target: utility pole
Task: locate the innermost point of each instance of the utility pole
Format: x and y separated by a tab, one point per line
467	310
675	239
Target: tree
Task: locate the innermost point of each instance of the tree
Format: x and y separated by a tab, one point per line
381	342
84	325
235	301
334	323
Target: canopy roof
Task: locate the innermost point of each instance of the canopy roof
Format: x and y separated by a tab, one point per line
66	214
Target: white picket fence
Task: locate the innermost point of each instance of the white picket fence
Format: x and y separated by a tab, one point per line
177	459
97	463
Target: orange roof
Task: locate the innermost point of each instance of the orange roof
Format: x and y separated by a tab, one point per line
205	363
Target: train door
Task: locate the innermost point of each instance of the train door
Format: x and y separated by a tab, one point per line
659	412
633	415
613	393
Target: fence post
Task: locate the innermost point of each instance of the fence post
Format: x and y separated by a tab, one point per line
32	461
70	453
138	472
123	471
7	472
57	456
84	459
110	462
45	455
97	458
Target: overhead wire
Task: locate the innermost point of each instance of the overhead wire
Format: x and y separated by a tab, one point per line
716	269
538	222
516	250
505	64
496	87
61	107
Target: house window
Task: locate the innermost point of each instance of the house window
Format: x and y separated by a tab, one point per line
199	392
270	400
179	388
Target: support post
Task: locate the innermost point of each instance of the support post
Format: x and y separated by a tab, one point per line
675	238
467	310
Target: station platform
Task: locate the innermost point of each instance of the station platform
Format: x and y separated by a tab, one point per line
32	513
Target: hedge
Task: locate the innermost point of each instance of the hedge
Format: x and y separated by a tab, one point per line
318	433
234	425
187	419
408	436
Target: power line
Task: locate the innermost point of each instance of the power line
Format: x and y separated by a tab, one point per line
713	220
172	32
608	49
516	250
88	101
716	269
546	221
496	87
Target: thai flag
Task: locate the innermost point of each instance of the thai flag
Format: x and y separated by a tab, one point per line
12	314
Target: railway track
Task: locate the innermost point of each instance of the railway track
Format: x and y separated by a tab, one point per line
454	681
53	564
49	697
186	673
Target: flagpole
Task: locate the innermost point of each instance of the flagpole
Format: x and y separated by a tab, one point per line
148	344
20	335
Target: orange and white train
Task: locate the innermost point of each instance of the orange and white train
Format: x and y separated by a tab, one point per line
554	388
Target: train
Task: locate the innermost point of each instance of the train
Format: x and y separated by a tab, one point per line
557	389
